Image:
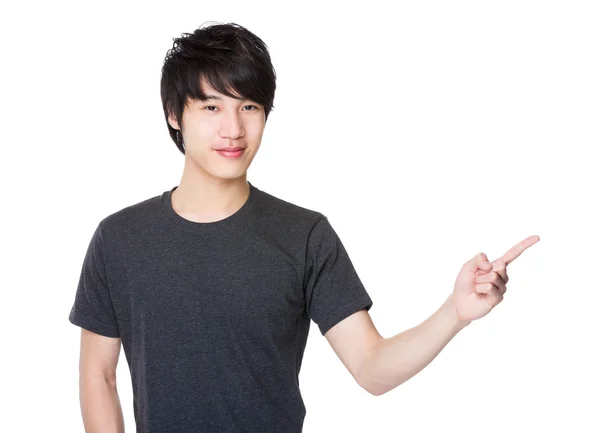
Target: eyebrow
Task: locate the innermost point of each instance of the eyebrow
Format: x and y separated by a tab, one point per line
209	97
218	98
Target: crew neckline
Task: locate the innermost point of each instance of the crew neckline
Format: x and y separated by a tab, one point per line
204	227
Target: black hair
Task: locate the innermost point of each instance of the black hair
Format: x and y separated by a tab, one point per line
233	60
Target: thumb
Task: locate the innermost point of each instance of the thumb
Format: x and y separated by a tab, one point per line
480	261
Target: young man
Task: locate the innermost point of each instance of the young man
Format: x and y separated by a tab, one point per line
210	286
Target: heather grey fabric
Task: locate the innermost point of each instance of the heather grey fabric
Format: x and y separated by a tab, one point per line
214	317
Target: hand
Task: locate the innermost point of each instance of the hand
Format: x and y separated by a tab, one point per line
481	285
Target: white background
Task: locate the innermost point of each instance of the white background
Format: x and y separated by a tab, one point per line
426	131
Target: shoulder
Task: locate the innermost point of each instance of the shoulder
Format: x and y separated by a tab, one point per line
130	218
285	212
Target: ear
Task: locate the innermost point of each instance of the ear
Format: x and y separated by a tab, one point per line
173	122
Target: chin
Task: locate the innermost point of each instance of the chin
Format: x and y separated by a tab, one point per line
228	176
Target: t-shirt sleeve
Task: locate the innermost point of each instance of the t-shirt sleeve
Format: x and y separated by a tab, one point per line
93	308
332	289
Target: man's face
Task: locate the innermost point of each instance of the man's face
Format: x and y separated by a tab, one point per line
217	123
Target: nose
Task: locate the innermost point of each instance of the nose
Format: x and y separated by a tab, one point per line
231	126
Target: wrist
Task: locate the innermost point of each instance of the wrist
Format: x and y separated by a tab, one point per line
450	311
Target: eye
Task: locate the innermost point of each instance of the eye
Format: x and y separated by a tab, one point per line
210	108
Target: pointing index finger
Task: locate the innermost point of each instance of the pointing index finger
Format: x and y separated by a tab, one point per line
516	251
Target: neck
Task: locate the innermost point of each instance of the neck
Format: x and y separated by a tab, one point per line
200	197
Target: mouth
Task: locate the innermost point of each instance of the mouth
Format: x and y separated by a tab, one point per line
232	153
231	149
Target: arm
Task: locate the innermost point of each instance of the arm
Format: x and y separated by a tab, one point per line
98	397
380	364
395	360
479	287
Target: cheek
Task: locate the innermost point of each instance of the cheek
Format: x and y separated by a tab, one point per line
255	130
202	131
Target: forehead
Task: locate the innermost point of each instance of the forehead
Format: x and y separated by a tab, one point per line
213	94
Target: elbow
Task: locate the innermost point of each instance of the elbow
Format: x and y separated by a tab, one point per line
98	380
373	390
111	381
366	377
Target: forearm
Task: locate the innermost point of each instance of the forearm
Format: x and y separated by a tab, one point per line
100	406
395	360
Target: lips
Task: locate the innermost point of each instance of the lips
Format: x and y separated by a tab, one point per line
231	149
231	154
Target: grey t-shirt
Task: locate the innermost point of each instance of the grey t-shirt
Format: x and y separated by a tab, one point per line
214	317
